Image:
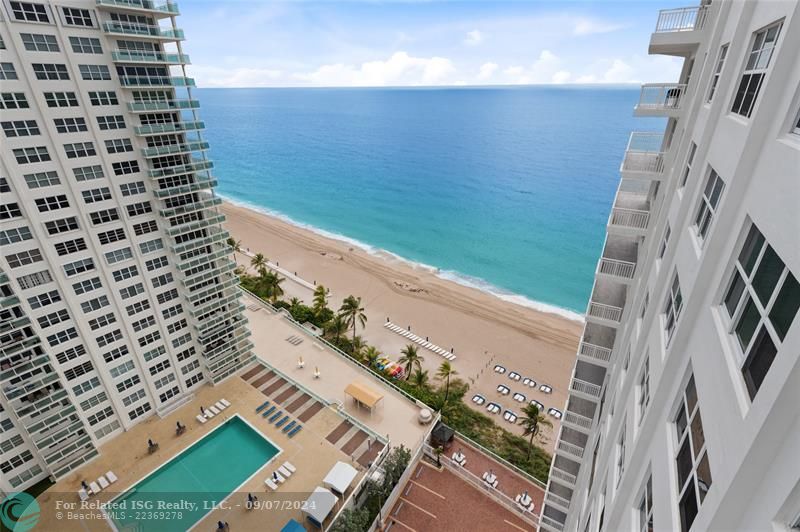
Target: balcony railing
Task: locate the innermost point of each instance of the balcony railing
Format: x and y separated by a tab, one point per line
138	56
560	474
557	500
156	81
616	268
629	218
551	523
171	149
594	352
196	165
587	388
661	96
577	420
167	8
165	105
170	127
681	19
604	312
143	30
644	153
570	449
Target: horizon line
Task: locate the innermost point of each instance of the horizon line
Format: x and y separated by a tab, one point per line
489	86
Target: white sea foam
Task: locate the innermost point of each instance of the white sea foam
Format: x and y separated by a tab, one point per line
449	275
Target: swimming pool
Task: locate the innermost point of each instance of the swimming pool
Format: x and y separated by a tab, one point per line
180	492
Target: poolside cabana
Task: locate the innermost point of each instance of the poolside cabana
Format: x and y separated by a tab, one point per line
340	477
318	505
363	395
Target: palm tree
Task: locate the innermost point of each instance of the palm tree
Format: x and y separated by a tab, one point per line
236	247
336	327
371	356
320	299
420	379
294	303
445	372
532	421
259	261
410	359
358	346
353	313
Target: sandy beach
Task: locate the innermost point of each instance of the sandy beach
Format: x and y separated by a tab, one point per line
482	329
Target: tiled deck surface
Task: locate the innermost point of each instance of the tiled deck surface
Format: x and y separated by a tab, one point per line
439	501
127	456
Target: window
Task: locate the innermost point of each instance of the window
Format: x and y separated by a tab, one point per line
155	264
60	99
100	416
795	128
29	12
154	353
672	308
169	295
23	258
7	72
13	100
717	71
122	369
193	380
125	167
143	323
162	280
70	246
116	353
102	321
41	179
109	338
128	383
103	98
139	306
86	173
72	353
172	328
70	125
145	227
42	300
644	388
34	279
133	414
172	311
131	189
118	255
79	266
50	71
755	70
161	366
118	145
151	246
131	291
21	128
87	286
32	155
85	45
96	194
691	460
104	216
111	122
79	149
135	396
35	42
708	204
61	226
109	237
52	203
94	72
645	509
9	210
77	17
621	455
14	235
149	339
137	209
62	336
761	302
125	273
4	186
688	168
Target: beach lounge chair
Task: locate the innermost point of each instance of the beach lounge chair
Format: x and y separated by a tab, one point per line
214	410
103	482
82	494
289	466
289	426
285	472
209	413
111	477
271	484
283	420
219	406
200	418
275	416
295	430
94	488
225	402
263	405
268	411
316	373
277	476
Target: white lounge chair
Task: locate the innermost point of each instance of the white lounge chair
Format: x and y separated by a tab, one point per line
94	488
209	413
277	476
271	484
289	466
225	402
285	472
219	406
200	418
213	410
82	494
103	482
111	477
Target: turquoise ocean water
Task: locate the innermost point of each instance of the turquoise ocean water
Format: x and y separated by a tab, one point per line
505	189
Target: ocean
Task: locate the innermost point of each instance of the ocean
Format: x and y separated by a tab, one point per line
504	189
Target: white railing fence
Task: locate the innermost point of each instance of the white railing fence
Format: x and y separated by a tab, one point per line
605	312
632	218
578	385
658	96
681	19
595	352
617	268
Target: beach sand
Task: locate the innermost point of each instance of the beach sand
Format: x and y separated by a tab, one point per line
483	330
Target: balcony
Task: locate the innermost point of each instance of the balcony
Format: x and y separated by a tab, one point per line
550	524
198	185
149	82
169	127
660	99
166	9
607	303
597	344
190	207
587	380
630	215
563	476
678	31
644	156
131	29
172	149
196	165
142	57
618	261
208	221
164	105
557	501
570	449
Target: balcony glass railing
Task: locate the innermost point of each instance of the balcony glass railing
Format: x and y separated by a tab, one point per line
166	105
143	30
681	19
166	8
171	127
196	165
199	224
156	81
190	207
133	56
644	153
661	96
171	149
200	184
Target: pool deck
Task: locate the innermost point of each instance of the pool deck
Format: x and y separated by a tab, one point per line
126	455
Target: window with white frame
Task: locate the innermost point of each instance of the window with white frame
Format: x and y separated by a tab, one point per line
672	307
796	126
708	204
761	302
688	168
645	507
755	70
691	458
723	52
621	455
643	393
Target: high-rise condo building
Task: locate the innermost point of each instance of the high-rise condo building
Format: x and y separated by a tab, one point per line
117	295
684	405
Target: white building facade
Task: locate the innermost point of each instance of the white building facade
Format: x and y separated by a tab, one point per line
117	294
684	406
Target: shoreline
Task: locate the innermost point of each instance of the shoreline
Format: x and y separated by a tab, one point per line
461	279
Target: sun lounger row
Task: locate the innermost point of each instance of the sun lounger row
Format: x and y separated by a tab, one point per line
213	410
95	487
279	418
280	475
294	340
421	341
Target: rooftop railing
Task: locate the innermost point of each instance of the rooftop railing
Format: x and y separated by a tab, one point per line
681	19
168	8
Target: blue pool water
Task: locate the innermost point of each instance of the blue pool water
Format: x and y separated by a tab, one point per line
182	491
506	189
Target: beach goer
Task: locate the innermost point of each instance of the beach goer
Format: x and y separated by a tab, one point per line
84	485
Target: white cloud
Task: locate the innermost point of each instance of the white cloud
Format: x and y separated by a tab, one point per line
585	26
474	37
399	69
619	72
487	70
548	68
211	76
562	76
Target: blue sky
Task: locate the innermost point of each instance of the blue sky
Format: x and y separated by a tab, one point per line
391	43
